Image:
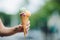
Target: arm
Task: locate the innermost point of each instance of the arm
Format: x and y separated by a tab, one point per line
10	31
1	24
5	31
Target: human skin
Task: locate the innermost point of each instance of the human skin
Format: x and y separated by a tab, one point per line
7	31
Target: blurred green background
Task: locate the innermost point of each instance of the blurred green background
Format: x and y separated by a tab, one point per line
42	14
39	18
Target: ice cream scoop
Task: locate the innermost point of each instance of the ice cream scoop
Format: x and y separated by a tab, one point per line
24	19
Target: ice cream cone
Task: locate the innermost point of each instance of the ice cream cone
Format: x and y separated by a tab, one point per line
25	18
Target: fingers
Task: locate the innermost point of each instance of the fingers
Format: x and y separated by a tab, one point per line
28	24
20	26
27	27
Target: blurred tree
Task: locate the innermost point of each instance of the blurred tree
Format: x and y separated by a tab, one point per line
5	18
39	19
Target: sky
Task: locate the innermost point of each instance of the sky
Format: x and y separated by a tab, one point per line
13	6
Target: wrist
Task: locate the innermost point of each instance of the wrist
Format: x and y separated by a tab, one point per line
15	30
18	29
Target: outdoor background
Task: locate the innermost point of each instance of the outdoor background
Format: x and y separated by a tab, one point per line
45	18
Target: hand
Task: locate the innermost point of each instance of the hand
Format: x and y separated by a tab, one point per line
19	28
5	31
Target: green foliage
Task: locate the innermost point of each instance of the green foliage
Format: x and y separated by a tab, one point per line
39	19
5	18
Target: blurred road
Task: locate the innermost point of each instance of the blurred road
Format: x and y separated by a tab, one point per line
32	35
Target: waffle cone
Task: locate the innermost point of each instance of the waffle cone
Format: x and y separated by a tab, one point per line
24	20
